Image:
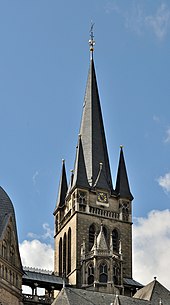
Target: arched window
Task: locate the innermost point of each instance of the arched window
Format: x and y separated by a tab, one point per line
9	235
10	275
82	197
13	278
91	236
12	256
103	273
64	255
4	249
2	271
115	240
60	257
69	251
116	274
6	273
90	274
17	281
125	213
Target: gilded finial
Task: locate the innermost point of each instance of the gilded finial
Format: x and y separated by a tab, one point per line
91	40
121	146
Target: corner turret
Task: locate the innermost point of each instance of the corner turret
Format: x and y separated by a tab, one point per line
122	183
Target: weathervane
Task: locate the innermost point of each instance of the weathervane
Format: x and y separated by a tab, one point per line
91	40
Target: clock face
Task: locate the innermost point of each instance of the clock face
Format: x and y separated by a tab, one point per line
102	197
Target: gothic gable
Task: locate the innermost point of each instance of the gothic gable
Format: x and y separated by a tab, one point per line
9	243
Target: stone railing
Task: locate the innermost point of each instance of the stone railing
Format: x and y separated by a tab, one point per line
105	213
97	252
37	299
89	209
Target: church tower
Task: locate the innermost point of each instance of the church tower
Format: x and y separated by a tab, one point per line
93	220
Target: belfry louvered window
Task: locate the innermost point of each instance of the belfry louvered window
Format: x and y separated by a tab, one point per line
91	236
115	240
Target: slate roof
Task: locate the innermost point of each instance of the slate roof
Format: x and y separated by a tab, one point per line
154	292
122	183
6	210
72	296
131	282
80	175
70	183
93	135
42	278
62	191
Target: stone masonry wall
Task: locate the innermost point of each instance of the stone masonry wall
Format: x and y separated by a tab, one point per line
83	223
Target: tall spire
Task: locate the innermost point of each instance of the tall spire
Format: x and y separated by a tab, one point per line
80	176
93	135
62	188
122	183
92	131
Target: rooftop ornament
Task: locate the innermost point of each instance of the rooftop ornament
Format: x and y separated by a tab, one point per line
91	40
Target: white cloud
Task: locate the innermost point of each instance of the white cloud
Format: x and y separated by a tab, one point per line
34	177
164	182
110	7
151	243
160	21
156	118
138	20
37	254
151	248
48	233
167	138
134	19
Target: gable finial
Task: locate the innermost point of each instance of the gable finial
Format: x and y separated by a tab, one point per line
91	40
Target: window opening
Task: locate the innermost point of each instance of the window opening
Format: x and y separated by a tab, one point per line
103	273
69	250
90	274
91	236
115	240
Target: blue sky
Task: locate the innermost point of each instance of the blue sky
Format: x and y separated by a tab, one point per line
44	61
